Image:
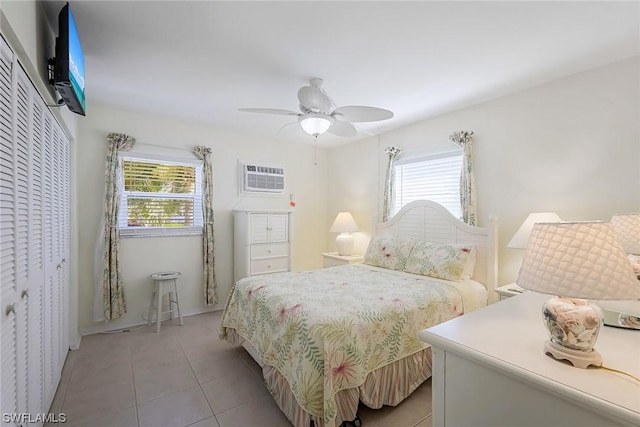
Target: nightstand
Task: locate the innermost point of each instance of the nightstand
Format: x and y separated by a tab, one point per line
509	290
332	259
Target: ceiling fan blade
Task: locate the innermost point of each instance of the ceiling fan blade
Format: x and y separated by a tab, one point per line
314	99
269	111
290	129
358	113
342	129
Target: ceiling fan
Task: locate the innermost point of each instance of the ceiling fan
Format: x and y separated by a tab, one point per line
319	114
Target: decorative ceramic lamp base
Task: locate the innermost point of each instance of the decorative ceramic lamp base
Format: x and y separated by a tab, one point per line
344	244
573	326
578	358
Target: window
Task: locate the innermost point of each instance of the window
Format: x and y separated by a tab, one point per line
434	178
160	197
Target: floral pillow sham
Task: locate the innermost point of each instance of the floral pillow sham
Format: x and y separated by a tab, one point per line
388	252
442	261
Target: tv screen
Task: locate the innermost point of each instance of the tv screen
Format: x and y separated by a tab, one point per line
69	63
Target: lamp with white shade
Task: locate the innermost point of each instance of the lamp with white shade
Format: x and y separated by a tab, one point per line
344	224
627	230
625	314
576	260
520	240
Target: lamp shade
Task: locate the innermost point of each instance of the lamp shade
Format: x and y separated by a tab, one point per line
627	230
520	240
315	123
578	260
344	223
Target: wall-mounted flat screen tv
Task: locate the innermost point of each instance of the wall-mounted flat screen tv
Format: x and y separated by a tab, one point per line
69	63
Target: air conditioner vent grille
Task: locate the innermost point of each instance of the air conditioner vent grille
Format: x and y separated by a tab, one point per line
263	179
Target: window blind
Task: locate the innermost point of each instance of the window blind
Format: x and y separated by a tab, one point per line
160	197
434	178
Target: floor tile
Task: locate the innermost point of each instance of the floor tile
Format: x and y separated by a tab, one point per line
233	390
98	401
123	418
218	366
424	423
165	380
84	378
209	422
145	362
263	412
175	410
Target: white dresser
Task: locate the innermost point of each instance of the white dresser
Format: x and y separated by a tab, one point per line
489	369
262	242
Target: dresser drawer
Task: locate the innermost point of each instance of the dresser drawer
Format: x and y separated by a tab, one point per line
269	265
269	250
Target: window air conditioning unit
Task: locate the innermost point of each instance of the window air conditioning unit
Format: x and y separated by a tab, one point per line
262	179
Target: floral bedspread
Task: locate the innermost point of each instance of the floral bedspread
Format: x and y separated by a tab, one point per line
325	330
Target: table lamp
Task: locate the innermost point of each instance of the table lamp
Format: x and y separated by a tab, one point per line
575	260
625	314
344	224
627	229
520	240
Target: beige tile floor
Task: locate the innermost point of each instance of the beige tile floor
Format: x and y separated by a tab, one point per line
185	376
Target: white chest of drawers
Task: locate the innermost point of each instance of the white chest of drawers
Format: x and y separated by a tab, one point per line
490	370
262	242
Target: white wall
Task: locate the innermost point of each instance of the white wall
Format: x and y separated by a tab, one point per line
571	146
143	256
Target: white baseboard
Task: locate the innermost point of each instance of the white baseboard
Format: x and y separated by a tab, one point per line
107	327
75	344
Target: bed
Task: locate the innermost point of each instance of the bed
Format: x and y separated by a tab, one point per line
329	339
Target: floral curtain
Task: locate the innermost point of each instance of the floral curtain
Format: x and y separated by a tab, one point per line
109	287
389	182
210	286
467	177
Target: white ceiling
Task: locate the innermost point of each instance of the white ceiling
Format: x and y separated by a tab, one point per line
203	60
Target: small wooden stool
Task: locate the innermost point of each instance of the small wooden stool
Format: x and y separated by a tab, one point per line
164	283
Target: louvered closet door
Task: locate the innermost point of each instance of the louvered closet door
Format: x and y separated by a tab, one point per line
34	244
50	261
36	259
14	184
55	199
21	170
8	287
65	227
60	164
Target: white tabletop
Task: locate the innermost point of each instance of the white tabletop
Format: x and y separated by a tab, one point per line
510	336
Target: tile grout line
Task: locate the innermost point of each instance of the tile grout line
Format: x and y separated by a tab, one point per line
199	384
133	378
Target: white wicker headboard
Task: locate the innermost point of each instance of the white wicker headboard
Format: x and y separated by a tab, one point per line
430	222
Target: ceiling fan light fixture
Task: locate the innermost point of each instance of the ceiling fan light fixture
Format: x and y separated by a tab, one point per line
315	124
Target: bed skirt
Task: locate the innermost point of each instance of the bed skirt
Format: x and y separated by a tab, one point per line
388	385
